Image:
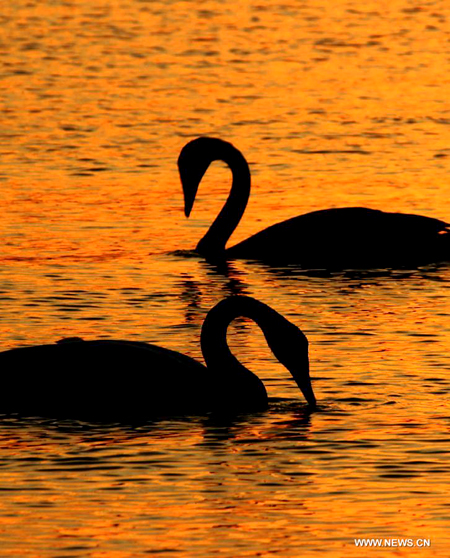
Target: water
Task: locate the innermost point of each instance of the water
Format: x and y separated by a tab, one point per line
333	104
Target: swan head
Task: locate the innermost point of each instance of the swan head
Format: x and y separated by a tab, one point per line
290	346
286	341
193	162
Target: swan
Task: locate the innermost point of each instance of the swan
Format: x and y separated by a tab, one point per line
338	238
110	379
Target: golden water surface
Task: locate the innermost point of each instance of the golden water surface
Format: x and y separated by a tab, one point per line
333	103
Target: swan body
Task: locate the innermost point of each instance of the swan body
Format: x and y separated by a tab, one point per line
115	379
338	238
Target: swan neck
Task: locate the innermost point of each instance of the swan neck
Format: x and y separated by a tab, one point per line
288	344
214	242
239	387
213	341
215	349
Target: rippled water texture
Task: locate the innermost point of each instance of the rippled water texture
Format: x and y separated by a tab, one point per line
333	103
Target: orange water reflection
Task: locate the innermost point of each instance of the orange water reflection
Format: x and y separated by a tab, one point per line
333	104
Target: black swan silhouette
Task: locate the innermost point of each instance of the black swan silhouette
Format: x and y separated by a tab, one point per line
109	379
338	238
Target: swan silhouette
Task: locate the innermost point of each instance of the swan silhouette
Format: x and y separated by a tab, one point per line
109	379
338	238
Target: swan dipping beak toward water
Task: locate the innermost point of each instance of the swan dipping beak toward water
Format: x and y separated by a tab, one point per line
123	380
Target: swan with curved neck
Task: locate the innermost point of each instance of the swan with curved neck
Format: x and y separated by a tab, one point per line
338	238
109	379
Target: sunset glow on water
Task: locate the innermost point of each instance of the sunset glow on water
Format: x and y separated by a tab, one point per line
333	104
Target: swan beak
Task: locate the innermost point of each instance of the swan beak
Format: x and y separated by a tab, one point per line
307	391
190	176
188	204
190	187
304	383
